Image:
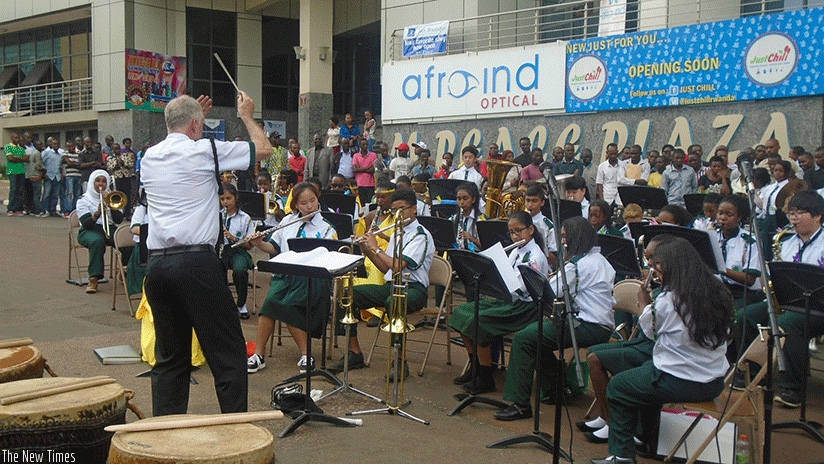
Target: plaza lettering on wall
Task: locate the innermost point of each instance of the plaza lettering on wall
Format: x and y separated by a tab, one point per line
500	81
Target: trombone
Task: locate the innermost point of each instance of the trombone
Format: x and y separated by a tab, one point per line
110	200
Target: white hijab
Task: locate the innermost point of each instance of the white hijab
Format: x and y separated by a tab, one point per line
91	193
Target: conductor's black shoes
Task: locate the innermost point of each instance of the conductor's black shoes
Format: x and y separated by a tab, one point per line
514	412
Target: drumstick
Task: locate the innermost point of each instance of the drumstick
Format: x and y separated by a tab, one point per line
199	421
15	342
77	384
220	62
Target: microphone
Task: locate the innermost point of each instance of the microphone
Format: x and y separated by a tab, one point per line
551	182
746	165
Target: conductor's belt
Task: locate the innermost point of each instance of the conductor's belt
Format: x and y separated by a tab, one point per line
182	249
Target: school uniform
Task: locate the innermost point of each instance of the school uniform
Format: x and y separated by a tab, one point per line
590	278
767	222
741	253
91	234
238	259
680	371
498	317
468	223
468	174
135	272
547	230
286	300
417	250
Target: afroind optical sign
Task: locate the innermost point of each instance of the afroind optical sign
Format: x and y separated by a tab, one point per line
768	56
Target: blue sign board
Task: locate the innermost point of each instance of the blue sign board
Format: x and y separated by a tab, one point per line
425	39
757	57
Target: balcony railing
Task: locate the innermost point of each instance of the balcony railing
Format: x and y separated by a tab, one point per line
55	97
579	20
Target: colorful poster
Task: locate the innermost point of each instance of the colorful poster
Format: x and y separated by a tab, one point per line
753	58
153	79
425	39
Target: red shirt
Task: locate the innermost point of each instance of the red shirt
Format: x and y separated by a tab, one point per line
298	164
364	179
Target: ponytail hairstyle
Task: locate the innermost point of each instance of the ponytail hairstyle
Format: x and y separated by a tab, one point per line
580	235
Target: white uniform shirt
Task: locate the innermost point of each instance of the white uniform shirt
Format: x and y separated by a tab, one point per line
812	253
768	196
590	284
139	218
417	250
545	227
585	207
466	224
468	174
675	352
423	208
239	224
740	254
178	175
317	227
530	254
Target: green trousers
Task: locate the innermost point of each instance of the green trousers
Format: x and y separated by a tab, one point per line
96	242
518	388
645	389
372	296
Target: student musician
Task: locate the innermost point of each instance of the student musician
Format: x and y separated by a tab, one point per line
600	216
706	220
420	184
674	214
134	271
465	220
806	210
740	251
576	190
372	222
405	183
417	251
469	170
689	322
91	234
236	225
499	317
286	300
264	185
632	213
534	201
590	278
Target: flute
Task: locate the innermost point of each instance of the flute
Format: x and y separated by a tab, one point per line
514	245
360	239
273	229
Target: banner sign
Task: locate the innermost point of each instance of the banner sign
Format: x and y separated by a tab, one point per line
272	127
612	17
482	83
425	39
214	128
5	103
753	58
153	79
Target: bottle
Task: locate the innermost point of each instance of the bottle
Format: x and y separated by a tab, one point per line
743	450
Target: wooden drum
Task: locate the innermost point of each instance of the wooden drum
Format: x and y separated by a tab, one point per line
228	443
70	422
20	363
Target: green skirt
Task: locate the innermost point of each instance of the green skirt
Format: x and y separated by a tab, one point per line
497	317
286	302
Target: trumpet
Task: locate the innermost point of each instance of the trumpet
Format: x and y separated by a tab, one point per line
270	230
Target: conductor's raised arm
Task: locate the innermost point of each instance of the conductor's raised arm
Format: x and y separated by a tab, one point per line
246	110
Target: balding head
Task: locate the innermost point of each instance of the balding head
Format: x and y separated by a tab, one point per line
181	113
772	146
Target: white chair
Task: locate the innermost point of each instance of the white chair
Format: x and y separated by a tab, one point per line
123	239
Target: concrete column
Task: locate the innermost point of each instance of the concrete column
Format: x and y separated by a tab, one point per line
315	103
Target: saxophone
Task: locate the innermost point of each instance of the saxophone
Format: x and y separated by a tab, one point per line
777	241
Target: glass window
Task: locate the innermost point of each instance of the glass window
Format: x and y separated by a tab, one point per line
210	32
66	45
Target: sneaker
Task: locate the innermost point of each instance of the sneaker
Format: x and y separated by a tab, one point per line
355	362
302	363
19	214
43	215
10	213
255	363
789	398
243	312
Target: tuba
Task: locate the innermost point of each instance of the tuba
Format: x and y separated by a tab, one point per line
497	171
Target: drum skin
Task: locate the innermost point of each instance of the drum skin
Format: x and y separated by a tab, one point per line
70	422
224	444
20	363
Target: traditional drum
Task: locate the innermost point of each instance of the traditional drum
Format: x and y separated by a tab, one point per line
246	443
66	426
20	363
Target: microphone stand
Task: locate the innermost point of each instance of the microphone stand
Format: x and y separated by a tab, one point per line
775	332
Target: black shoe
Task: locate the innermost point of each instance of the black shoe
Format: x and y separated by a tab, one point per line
374	322
582	426
645	450
789	398
244	315
355	362
391	375
592	438
739	381
479	385
613	460
463	378
514	412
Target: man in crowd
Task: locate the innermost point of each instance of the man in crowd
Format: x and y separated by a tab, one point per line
320	161
569	165
678	180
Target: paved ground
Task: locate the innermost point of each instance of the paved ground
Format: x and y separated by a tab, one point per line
67	325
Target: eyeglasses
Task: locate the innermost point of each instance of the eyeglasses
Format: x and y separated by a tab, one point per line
517	231
798	213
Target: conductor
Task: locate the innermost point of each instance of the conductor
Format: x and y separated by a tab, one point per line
185	282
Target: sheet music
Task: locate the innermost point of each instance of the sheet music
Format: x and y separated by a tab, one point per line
498	256
333	261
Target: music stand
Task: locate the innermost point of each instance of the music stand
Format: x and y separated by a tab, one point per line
569	208
695	203
445	189
472	268
620	253
310	272
541	293
443	210
491	232
706	245
442	231
648	198
253	204
799	287
636	229
342	222
341	203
